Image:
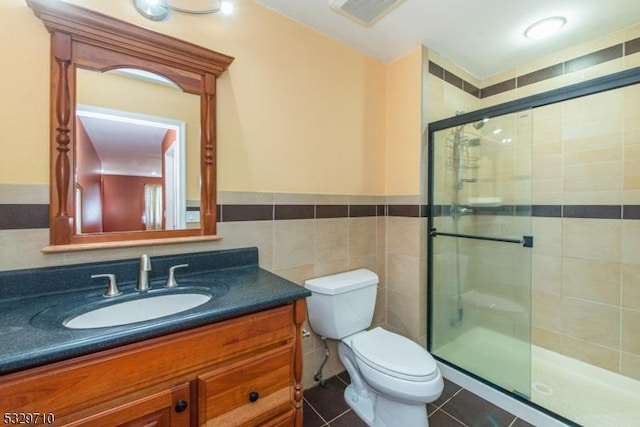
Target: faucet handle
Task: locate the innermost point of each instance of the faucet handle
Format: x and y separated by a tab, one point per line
112	290
171	280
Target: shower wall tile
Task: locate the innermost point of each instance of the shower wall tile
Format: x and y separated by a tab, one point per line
596	239
546	311
631	286
546	339
631	242
548	235
592	322
598	355
631	331
597	281
630	365
546	273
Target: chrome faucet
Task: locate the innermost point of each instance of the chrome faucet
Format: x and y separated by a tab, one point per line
143	277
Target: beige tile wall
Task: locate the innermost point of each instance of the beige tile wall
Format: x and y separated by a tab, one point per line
584	278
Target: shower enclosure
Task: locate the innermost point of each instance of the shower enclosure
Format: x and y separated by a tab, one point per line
481	246
534	283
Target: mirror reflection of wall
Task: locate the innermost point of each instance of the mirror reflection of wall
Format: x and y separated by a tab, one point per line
134	132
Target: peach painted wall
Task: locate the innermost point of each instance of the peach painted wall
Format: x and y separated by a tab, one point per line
293	106
403	131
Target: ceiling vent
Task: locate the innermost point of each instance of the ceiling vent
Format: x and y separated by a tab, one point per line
365	12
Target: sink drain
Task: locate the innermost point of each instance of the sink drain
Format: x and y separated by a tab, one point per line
542	389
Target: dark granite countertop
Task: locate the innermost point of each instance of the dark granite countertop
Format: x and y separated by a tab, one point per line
31	329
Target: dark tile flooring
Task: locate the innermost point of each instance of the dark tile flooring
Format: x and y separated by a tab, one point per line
457	407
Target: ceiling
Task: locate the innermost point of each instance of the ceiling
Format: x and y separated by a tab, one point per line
483	37
126	148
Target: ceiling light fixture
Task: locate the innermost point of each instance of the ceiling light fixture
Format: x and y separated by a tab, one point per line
545	28
157	10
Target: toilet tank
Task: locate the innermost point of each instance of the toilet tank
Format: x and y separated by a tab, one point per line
342	304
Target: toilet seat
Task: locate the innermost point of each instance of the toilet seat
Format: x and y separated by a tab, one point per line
394	355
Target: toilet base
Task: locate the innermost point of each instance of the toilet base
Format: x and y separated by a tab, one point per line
363	407
379	411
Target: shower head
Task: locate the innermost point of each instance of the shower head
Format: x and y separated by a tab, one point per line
480	124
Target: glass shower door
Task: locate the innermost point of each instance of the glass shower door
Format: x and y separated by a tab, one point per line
480	256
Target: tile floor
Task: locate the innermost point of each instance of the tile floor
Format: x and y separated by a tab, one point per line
457	407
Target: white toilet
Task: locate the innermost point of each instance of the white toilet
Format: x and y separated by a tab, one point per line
392	377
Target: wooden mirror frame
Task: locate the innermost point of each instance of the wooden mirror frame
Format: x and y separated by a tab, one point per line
87	39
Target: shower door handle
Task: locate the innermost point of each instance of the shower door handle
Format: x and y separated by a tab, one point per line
525	241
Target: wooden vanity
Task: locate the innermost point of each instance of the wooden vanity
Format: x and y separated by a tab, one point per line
244	371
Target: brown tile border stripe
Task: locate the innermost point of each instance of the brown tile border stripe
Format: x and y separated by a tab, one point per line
631	212
294	211
543	74
30	216
246	213
356	211
332	211
594	58
632	46
592	211
23	216
411	211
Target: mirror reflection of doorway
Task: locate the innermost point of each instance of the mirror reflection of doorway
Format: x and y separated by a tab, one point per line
121	154
171	185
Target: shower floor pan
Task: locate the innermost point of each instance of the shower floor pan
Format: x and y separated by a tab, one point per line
583	393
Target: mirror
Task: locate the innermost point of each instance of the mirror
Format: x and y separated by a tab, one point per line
135	131
89	52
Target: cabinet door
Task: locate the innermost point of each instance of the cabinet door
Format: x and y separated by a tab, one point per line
167	408
256	391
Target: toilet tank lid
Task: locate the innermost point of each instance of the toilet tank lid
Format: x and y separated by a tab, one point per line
342	282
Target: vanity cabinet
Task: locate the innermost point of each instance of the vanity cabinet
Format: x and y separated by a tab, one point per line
244	371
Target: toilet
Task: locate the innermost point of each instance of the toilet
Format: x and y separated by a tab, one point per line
392	377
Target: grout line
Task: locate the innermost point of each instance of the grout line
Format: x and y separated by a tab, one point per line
513	422
338	416
317	413
454	418
449	399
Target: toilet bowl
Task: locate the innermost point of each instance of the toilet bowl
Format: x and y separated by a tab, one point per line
392	377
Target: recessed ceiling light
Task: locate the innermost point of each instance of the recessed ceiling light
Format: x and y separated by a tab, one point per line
545	28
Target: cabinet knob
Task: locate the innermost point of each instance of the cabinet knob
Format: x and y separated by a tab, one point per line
253	396
181	405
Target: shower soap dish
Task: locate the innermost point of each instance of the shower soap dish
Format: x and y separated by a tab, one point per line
485	201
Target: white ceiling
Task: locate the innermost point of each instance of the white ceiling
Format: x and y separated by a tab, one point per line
482	36
126	148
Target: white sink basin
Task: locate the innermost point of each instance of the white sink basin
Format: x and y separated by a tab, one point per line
137	310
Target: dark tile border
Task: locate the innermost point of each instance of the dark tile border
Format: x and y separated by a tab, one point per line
232	213
294	211
23	216
631	212
549	211
30	216
356	211
411	211
610	53
332	211
592	211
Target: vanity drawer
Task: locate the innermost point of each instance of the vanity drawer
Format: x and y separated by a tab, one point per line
257	391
